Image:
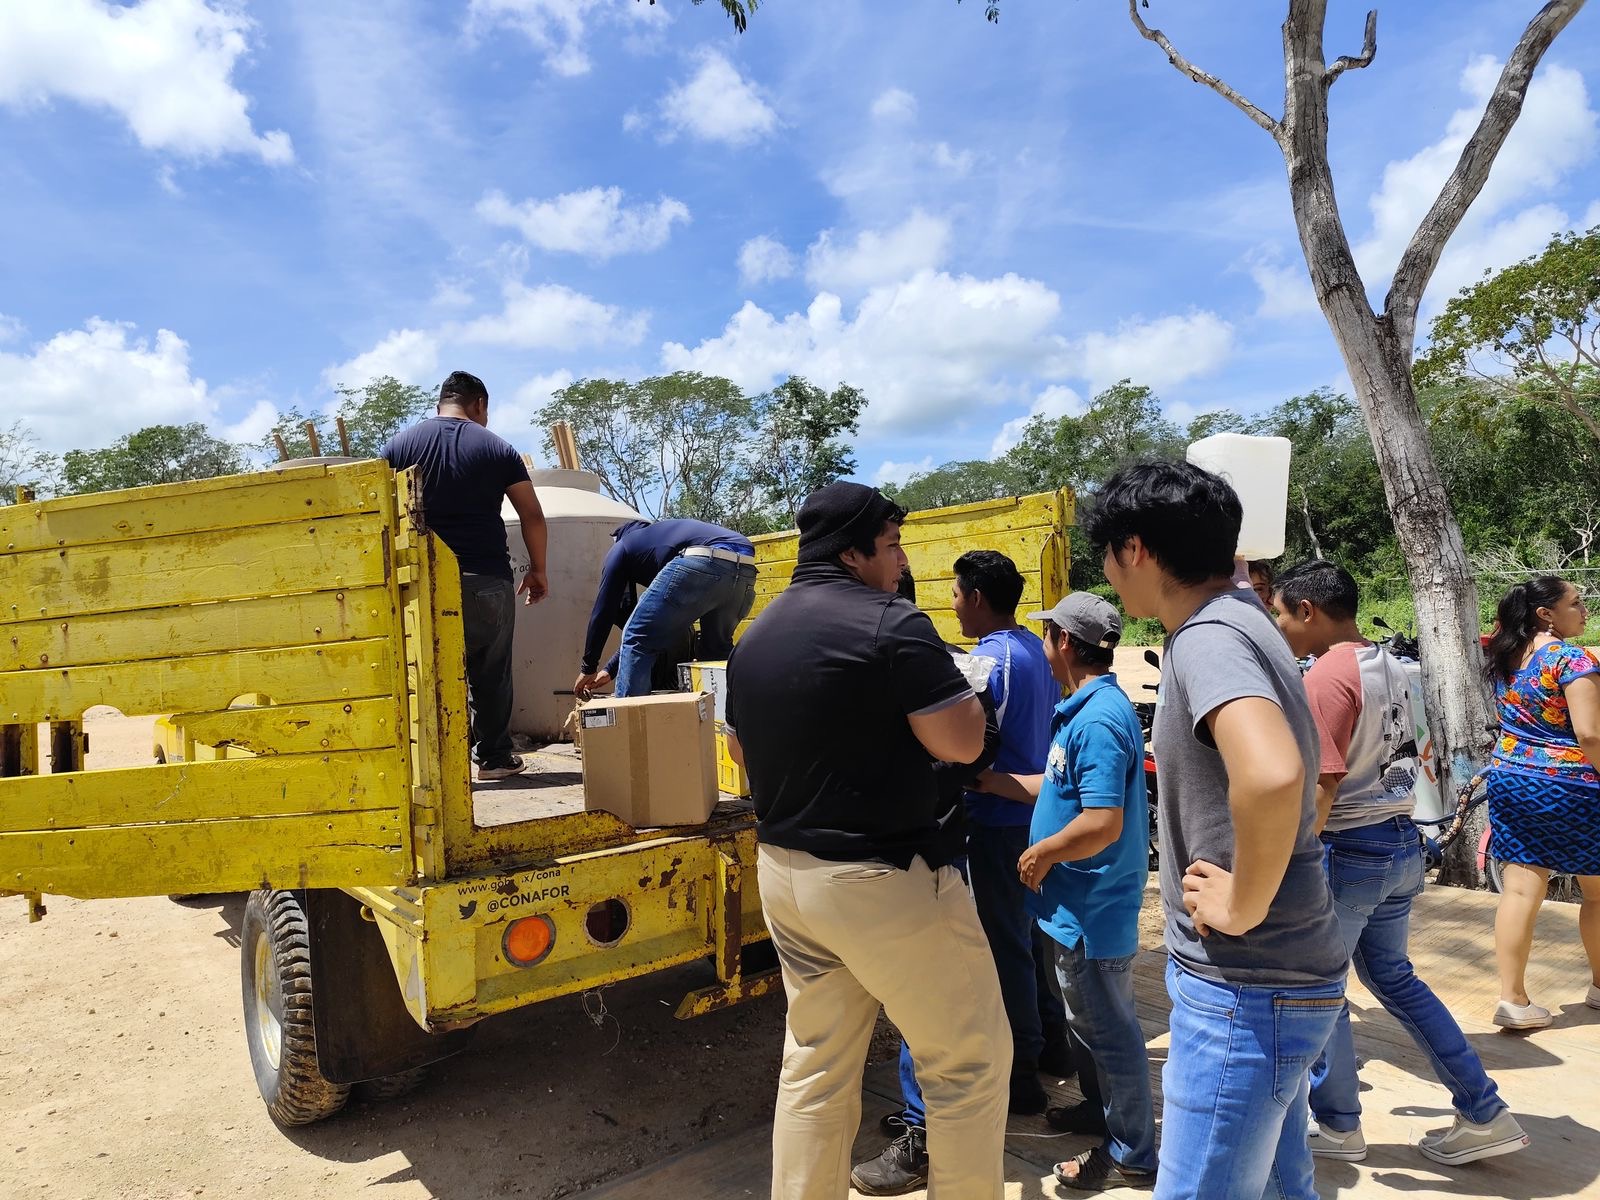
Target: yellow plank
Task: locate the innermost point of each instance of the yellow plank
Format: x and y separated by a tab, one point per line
264	498
326	850
275	787
298	728
254	624
342	552
296	675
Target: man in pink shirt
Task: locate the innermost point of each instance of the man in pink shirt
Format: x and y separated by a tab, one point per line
1361	701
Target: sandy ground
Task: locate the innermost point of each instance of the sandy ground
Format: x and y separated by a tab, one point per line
124	1071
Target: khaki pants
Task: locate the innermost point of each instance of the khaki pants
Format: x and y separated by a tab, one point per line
852	935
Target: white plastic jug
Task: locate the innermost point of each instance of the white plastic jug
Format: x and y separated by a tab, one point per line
1258	469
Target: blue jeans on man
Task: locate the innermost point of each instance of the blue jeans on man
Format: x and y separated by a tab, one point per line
714	591
1375	871
1022	955
1098	994
488	619
1234	1112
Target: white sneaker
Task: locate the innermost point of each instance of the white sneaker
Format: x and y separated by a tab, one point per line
1520	1016
1330	1143
1593	998
1467	1141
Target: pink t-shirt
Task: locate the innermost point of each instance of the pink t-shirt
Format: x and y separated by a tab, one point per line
1361	701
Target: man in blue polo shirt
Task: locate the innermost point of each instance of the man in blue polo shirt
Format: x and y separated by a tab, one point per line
690	571
1086	869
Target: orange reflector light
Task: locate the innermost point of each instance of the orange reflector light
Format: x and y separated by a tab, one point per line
528	940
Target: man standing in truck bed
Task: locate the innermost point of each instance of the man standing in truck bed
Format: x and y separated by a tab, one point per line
466	470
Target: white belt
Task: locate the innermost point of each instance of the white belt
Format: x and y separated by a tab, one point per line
748	560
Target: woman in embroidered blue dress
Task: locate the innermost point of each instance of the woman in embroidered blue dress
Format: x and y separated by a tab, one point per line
1544	791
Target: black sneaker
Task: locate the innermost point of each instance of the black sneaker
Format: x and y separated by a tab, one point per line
1028	1097
901	1168
502	768
892	1125
1082	1117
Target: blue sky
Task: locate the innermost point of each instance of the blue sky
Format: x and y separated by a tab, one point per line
220	209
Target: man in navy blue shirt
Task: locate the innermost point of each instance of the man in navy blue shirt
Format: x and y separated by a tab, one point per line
690	571
466	471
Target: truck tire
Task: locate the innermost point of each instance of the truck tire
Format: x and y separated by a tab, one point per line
276	974
389	1087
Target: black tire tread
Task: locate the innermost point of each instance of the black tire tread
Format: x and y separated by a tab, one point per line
389	1087
302	1096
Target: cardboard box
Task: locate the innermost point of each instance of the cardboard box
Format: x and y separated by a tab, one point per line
713	677
651	760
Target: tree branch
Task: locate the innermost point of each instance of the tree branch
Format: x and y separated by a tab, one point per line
1199	76
1472	169
1348	62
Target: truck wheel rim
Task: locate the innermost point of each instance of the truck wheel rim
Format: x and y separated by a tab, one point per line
268	1027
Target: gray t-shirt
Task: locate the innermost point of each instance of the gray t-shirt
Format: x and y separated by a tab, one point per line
1227	650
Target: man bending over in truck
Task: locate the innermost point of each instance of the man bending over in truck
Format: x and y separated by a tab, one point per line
690	571
841	696
466	470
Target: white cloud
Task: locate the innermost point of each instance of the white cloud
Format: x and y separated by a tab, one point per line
86	387
513	417
918	242
410	355
164	66
716	104
253	426
894	104
1055	401
900	472
1557	131
1286	289
550	316
558	29
764	258
11	329
593	222
1591	217
1157	353
926	349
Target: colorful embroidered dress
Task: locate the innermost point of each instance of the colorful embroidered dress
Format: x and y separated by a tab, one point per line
1535	728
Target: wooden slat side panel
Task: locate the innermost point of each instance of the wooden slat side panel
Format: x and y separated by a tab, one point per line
265	498
258	623
273	787
332	726
207	566
296	675
326	850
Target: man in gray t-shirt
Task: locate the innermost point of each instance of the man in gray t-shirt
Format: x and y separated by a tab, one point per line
1256	966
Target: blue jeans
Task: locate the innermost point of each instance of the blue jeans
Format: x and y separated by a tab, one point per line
1099	1001
1023	958
1375	872
488	617
1234	1115
714	591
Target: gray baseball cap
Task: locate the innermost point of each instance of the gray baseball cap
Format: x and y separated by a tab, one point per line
1087	617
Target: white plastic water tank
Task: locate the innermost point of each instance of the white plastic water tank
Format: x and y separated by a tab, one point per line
1258	469
548	641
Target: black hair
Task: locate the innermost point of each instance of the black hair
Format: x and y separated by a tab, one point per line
993	574
907	587
1330	587
864	540
1517	620
1188	518
1088	653
463	389
1260	566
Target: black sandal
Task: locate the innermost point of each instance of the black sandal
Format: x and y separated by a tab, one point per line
1096	1168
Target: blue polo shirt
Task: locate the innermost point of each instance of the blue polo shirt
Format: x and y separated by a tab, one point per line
1096	761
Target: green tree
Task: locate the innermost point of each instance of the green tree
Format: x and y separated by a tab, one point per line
1538	322
800	442
955	483
155	454
372	414
23	464
671	445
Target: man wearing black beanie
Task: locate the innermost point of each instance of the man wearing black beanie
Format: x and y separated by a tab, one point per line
841	696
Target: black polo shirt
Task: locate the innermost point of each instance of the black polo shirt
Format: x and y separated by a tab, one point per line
819	689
